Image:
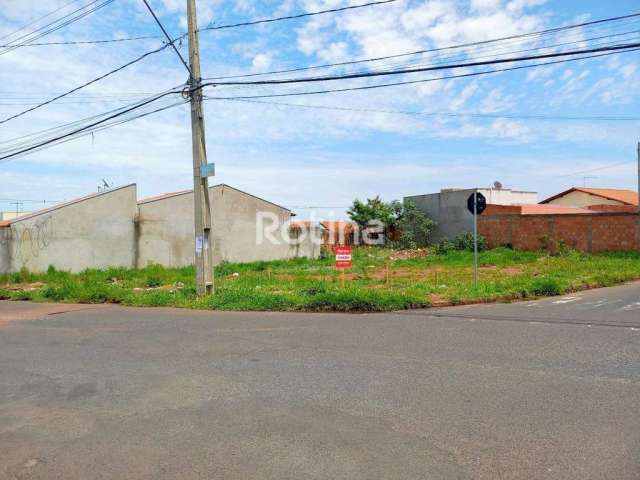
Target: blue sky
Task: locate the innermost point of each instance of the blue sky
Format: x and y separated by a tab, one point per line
307	157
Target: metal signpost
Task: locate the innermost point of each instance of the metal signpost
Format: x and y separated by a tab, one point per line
476	204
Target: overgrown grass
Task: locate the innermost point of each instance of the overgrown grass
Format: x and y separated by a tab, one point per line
375	283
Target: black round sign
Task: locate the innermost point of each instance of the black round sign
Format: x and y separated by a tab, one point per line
480	200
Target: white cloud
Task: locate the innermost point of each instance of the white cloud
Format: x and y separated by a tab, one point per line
268	140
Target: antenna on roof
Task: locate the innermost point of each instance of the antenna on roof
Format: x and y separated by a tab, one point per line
497	185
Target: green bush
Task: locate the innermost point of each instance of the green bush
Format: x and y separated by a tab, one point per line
464	241
445	246
415	227
546	287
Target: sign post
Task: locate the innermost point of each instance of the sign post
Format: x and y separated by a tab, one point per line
476	204
343	260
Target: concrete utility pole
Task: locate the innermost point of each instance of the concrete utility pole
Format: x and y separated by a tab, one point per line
202	208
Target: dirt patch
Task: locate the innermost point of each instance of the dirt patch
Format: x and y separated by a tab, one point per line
412	273
409	253
439	301
23	287
508	271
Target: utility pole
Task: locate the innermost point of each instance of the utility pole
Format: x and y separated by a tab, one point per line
202	207
638	177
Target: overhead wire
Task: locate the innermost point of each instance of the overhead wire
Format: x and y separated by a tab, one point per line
41	134
427	69
69	20
293	17
411	82
12	152
512	116
209	28
84	85
90	42
435	50
62	7
169	39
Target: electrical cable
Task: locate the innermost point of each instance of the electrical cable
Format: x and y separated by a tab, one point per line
101	77
410	82
90	42
433	50
5	155
293	17
39	34
59	128
171	42
510	116
62	7
428	69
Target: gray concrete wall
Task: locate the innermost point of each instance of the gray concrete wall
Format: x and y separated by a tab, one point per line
96	231
5	248
165	229
449	207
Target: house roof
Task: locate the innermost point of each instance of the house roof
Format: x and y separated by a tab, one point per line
627	197
57	206
164	196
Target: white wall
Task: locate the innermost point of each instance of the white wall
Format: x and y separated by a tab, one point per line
165	229
96	231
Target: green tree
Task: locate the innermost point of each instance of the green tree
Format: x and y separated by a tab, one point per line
414	226
374	209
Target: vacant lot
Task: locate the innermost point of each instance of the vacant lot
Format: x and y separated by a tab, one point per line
380	280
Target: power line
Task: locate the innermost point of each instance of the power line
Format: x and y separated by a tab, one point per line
444	61
101	77
90	42
30	148
597	169
434	50
410	82
450	114
34	136
38	19
293	17
102	127
429	69
39	33
171	42
242	24
28	201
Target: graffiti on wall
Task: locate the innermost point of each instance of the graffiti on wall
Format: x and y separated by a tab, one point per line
26	242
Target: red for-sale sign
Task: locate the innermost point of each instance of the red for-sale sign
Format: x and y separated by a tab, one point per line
343	257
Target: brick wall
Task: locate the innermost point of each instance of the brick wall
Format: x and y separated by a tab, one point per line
591	232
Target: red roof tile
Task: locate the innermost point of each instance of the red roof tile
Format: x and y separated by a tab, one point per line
627	197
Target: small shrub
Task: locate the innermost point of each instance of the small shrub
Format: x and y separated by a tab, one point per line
153	282
464	241
546	287
445	246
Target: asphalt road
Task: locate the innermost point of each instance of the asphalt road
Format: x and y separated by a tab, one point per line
538	390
